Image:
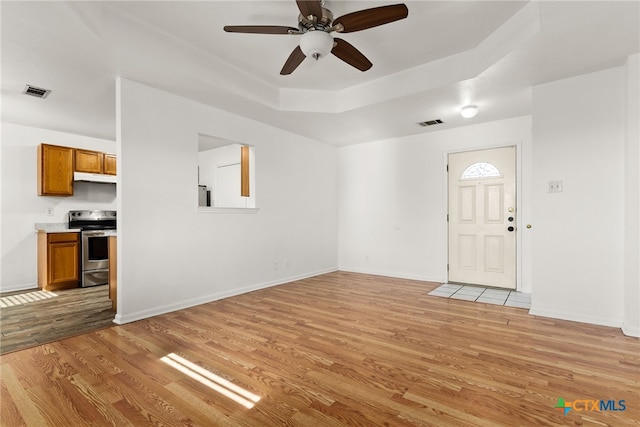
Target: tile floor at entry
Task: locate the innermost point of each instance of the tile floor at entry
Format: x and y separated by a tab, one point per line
481	294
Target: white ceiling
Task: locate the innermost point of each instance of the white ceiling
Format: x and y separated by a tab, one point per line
444	55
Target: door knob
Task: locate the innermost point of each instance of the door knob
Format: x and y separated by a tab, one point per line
510	219
511	229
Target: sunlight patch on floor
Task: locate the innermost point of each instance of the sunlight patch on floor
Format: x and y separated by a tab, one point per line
19	299
211	380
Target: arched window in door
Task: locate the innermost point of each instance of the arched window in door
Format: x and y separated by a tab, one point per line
481	170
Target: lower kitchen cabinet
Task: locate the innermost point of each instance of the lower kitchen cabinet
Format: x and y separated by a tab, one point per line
113	273
58	260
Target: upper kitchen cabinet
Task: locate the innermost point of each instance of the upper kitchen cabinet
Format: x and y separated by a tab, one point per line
59	167
89	161
55	170
109	164
95	162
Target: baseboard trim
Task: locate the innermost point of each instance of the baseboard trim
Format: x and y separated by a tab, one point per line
391	274
574	317
631	330
15	288
156	311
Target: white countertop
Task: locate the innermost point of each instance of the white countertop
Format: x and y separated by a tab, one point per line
54	227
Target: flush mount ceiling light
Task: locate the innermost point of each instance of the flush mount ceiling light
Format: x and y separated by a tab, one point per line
469	111
316	44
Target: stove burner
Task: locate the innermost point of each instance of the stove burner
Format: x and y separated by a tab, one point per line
92	220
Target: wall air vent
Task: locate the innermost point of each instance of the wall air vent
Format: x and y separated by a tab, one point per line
38	92
431	122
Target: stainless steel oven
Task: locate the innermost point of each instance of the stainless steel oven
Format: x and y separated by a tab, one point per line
96	227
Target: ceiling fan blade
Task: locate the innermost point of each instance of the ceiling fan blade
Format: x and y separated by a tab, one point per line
312	7
293	61
260	29
349	54
368	18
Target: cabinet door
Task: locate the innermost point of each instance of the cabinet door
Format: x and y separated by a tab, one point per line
110	164
55	170
88	161
63	263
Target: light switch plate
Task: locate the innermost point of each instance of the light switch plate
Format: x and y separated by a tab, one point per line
555	187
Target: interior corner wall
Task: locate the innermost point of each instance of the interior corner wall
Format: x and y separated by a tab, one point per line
578	234
22	208
171	256
631	320
392	198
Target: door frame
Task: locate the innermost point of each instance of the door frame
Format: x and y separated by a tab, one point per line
523	180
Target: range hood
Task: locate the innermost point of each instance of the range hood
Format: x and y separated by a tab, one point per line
94	177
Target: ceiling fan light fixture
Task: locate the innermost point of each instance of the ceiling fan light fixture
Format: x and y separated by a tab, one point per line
469	111
316	26
316	44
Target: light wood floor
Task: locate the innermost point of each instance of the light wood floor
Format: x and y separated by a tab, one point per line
71	312
334	350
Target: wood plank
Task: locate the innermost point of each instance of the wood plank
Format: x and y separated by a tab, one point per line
71	312
334	350
244	171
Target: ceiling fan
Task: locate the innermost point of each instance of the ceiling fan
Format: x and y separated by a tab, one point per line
315	25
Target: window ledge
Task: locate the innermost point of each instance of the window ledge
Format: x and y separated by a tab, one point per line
213	210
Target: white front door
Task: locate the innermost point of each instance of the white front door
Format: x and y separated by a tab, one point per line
482	217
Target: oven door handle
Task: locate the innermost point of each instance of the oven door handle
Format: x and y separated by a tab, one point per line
93	233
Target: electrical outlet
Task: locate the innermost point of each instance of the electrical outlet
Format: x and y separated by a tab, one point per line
555	186
276	266
49	211
286	264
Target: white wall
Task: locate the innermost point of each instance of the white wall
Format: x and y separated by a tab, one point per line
578	238
582	264
169	255
631	320
393	201
22	207
580	258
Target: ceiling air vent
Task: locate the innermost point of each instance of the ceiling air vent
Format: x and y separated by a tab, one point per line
38	92
431	122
